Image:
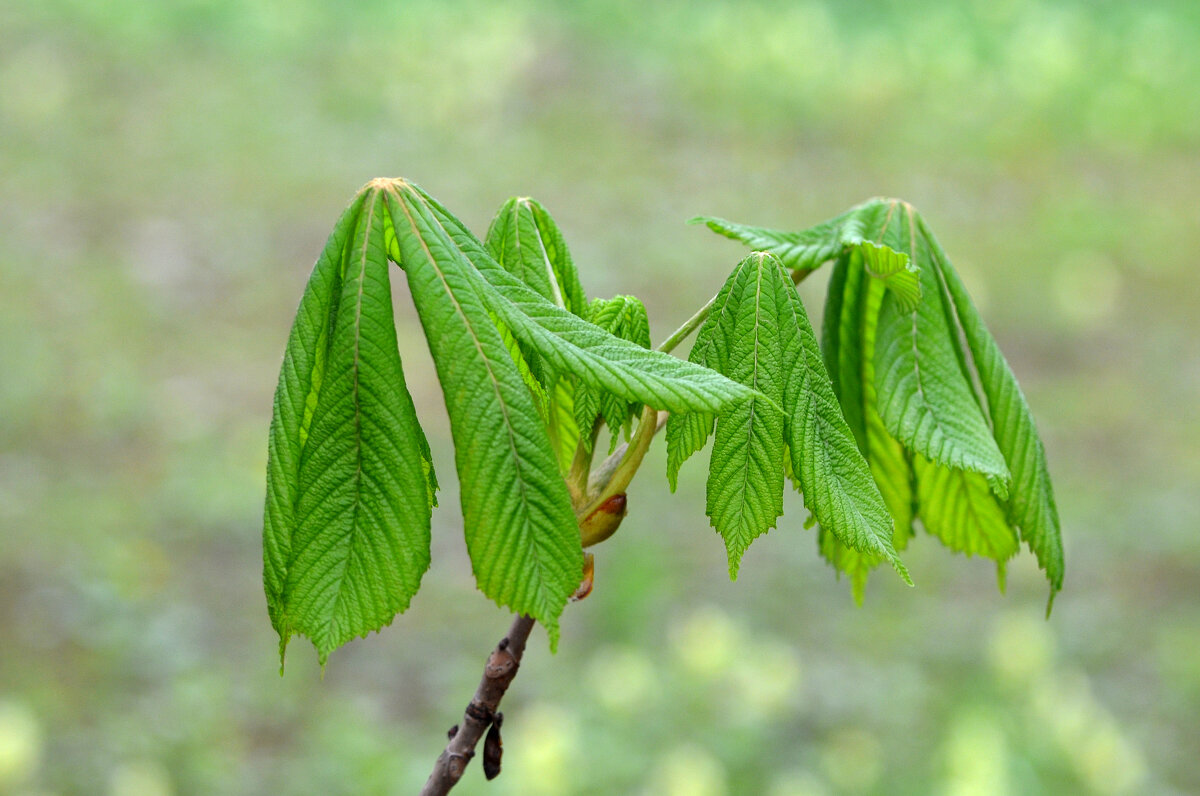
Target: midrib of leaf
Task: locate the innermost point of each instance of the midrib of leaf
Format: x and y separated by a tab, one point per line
544	258
492	380
548	604
358	448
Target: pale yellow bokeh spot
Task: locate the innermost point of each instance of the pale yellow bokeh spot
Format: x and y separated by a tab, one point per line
140	778
976	757
798	783
706	643
688	771
765	680
20	744
852	759
542	746
1020	647
623	680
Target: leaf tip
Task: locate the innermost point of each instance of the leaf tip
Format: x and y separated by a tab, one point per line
1050	602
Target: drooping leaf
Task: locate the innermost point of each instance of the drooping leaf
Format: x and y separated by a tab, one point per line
1031	504
526	242
809	248
896	352
745	480
568	344
350	480
758	332
959	508
925	399
832	473
890	463
520	527
848	342
564	430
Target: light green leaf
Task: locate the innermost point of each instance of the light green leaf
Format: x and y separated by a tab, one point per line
833	475
526	242
959	509
564	431
890	463
1031	504
809	248
856	564
520	527
926	400
623	317
896	270
350	483
848	341
745	480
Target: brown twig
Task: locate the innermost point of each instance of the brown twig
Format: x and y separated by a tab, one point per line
498	674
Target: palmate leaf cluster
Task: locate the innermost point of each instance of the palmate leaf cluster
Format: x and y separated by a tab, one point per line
350	482
932	404
904	412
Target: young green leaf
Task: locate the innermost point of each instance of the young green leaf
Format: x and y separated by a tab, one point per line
758	333
1031	504
520	527
835	478
526	242
958	508
623	317
926	400
893	348
745	480
810	248
350	480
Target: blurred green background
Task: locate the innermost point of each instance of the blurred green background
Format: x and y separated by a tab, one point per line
168	173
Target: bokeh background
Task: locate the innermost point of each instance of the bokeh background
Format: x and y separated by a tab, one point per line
168	173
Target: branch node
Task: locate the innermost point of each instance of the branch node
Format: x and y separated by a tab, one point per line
456	764
501	663
480	713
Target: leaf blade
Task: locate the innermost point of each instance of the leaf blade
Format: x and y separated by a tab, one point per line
744	491
365	483
926	400
1031	502
520	527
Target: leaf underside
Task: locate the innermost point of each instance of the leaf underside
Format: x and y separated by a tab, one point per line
905	349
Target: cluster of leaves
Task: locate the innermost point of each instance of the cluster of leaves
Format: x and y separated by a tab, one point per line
924	391
905	410
350	481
